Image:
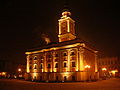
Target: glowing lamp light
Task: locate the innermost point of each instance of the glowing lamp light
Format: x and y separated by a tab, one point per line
104	69
87	66
19	69
3	73
114	71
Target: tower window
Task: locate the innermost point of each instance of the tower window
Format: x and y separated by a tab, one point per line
56	65
73	64
49	66
65	64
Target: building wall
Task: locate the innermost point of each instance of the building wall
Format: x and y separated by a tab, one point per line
64	64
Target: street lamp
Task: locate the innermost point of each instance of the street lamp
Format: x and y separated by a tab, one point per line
19	70
87	67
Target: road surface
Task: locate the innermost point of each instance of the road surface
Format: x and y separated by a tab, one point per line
110	84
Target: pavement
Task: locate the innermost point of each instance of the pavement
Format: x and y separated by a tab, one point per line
13	84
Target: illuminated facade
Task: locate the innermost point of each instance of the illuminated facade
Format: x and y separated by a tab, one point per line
70	59
112	66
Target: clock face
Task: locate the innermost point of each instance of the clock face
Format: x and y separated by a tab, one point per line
64	27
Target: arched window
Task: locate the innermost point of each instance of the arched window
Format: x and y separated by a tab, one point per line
35	58
35	67
65	54
56	65
65	64
49	66
73	64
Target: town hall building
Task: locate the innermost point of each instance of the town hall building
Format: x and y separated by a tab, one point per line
70	59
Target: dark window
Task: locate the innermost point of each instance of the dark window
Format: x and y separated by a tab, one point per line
41	66
35	58
56	65
30	67
49	66
56	78
30	62
73	64
65	78
40	78
56	55
41	57
72	53
65	54
49	60
73	78
35	67
30	58
56	60
49	56
65	64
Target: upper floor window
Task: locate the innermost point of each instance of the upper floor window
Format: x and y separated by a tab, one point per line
41	57
65	64
49	66
35	67
30	58
65	54
72	53
30	67
56	55
56	65
73	64
41	66
35	58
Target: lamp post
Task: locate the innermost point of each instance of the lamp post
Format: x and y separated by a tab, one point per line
87	67
19	73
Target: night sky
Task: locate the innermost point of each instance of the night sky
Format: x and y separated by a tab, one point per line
22	23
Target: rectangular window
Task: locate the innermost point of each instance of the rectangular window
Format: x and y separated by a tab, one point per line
73	64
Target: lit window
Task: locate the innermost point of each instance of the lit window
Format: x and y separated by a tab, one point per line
56	65
73	64
65	64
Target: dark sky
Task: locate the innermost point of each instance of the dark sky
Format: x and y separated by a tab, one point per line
23	21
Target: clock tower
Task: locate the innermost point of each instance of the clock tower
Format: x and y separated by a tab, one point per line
66	27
